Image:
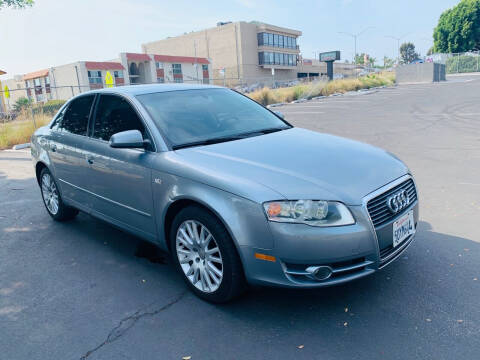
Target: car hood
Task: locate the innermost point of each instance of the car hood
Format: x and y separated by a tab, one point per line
292	164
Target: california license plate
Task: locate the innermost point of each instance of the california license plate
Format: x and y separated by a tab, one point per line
403	228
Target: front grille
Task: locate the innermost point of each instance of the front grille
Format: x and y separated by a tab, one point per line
377	207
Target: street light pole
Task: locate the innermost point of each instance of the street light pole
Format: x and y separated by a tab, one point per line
355	36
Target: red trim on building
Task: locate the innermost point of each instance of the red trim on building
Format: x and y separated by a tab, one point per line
160	73
119	81
205	74
96	86
103	65
36	74
138	57
180	59
178	76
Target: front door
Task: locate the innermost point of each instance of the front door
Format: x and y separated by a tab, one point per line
120	179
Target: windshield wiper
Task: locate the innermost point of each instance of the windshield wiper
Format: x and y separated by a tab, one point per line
228	138
206	142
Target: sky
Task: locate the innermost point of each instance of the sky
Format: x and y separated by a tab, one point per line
56	32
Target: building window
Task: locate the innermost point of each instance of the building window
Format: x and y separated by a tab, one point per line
204	67
271	58
275	40
95	77
118	74
159	65
178	80
160	80
177	68
37	84
47	84
277	59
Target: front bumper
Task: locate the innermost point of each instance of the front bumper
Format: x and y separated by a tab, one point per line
350	252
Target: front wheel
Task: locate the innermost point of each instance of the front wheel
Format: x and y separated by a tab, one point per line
204	253
52	199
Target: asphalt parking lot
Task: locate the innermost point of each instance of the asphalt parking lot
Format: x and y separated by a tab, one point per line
83	289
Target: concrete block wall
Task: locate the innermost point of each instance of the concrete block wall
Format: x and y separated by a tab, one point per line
420	73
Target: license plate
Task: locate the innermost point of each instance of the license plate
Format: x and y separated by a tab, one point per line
403	228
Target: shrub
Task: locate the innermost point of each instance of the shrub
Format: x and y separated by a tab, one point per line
50	107
463	64
21	104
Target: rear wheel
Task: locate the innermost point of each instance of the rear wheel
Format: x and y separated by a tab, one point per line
52	199
204	253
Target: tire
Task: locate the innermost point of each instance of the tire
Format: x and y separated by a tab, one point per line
52	200
206	285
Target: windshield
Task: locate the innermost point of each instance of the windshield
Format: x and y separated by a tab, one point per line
195	116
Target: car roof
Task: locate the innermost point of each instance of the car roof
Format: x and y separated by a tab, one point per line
133	90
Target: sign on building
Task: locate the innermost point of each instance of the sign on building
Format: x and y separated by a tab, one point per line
109	79
329	56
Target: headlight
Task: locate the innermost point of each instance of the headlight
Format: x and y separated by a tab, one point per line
310	212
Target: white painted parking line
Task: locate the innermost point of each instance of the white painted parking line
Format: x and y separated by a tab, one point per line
304	112
467	183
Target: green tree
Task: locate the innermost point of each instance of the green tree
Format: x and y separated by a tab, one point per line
21	104
458	28
17	4
360	59
388	62
407	53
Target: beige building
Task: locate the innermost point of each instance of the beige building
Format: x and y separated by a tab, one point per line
64	81
154	68
240	52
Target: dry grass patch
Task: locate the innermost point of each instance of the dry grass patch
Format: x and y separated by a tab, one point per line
21	129
267	96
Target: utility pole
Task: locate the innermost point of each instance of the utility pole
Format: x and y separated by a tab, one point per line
355	36
398	45
196	63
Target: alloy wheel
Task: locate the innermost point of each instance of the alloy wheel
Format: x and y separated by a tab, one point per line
50	194
199	256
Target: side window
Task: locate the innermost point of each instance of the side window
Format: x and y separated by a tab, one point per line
58	119
115	114
75	117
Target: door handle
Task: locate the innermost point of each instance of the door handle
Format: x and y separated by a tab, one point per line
53	147
90	160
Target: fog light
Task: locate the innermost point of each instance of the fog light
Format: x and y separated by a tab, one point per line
319	272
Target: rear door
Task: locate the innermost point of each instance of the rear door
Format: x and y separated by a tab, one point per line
70	129
120	179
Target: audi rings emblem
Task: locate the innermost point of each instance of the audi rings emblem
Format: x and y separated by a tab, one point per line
398	201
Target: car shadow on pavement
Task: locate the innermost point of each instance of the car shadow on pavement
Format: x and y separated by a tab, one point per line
427	298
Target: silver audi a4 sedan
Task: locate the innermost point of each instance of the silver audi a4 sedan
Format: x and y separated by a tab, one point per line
235	193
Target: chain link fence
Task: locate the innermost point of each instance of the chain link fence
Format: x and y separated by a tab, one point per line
457	63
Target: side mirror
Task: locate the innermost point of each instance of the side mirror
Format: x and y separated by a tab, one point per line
279	114
128	139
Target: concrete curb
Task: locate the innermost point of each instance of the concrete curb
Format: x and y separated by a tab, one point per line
21	146
275	105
